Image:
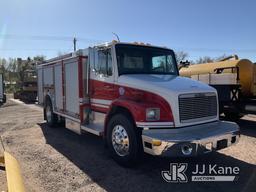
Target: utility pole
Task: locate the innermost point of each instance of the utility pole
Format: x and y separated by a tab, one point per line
74	43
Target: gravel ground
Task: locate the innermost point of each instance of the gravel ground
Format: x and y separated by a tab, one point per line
59	160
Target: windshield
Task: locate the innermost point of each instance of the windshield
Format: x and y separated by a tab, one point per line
134	59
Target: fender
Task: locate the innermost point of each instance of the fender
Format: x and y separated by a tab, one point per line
135	109
137	103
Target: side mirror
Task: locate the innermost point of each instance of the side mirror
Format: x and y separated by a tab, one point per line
95	71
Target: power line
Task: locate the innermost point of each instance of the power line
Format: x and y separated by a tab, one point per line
36	49
47	38
96	41
215	50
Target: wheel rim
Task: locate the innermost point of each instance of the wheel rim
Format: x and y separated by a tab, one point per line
48	114
120	140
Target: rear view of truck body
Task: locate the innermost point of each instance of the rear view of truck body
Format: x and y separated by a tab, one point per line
27	87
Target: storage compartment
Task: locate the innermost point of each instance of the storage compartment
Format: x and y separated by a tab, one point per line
71	86
58	87
48	76
40	85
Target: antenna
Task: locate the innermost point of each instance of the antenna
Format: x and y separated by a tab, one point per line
116	36
74	43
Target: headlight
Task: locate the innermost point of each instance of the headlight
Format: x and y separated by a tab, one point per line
153	114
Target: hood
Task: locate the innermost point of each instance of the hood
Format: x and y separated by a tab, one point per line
164	83
169	87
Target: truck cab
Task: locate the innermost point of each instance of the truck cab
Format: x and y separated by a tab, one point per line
131	94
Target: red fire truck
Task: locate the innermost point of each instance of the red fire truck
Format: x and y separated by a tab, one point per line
131	94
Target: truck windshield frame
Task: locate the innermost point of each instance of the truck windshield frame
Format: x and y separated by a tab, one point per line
139	59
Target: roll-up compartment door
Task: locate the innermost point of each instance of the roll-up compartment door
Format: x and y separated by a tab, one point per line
58	87
48	76
71	86
40	85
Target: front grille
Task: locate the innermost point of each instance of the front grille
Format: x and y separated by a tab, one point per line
197	106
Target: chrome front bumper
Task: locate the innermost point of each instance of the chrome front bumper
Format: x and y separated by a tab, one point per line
192	140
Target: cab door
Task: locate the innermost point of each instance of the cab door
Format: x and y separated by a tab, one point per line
102	89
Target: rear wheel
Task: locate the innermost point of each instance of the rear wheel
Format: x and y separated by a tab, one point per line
51	118
123	141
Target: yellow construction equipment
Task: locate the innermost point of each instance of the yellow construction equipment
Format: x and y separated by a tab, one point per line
247	72
13	174
233	78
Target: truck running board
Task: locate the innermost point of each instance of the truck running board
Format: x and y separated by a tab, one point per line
94	128
250	108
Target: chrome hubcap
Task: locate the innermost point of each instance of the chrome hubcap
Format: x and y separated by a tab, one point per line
48	114
120	140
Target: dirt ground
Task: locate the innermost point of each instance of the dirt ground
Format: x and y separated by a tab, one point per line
60	160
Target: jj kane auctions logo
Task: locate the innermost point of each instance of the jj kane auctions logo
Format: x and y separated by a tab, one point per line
177	173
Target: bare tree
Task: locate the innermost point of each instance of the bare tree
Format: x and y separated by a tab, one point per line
207	59
4	68
39	58
181	56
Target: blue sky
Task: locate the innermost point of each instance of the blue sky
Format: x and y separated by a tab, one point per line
199	27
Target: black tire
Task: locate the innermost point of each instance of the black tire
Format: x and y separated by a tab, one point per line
134	136
16	95
52	119
4	99
232	116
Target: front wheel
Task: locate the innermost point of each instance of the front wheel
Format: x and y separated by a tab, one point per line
123	141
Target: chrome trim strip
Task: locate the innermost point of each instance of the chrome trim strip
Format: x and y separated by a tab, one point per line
101	101
99	105
67	116
154	124
250	108
189	95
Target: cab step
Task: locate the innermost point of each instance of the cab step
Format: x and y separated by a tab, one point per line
94	128
250	108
